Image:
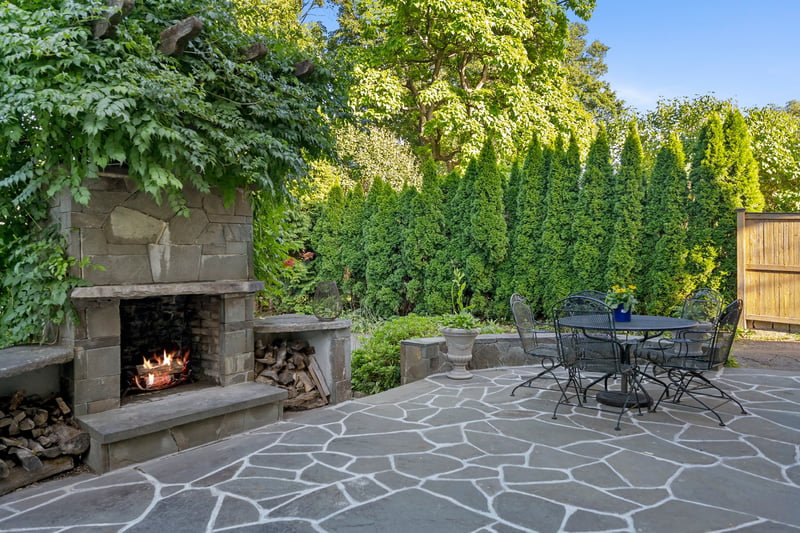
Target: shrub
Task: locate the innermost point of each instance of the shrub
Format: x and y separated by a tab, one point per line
376	366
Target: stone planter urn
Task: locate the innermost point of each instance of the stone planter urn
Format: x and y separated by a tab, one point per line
459	350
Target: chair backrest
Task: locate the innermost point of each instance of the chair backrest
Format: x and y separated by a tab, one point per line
702	305
592	344
724	334
597	295
526	325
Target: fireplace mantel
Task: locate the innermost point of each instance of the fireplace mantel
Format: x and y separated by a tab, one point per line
166	289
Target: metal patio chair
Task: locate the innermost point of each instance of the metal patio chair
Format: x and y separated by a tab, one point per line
527	328
686	368
588	344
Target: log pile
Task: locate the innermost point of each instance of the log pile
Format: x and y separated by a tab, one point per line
290	365
38	439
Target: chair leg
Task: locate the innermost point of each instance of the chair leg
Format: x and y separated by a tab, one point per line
685	386
547	370
572	377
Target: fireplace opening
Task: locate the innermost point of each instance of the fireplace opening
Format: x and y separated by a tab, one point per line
163	341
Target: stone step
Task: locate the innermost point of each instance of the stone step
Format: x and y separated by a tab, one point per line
146	428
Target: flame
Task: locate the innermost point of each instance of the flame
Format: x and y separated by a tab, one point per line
169	369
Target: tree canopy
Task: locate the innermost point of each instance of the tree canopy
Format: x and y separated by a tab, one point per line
73	104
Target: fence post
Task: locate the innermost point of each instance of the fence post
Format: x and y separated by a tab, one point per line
741	263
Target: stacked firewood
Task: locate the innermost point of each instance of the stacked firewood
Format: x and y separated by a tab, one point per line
290	364
38	439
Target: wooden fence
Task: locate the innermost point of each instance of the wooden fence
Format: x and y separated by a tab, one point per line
768	270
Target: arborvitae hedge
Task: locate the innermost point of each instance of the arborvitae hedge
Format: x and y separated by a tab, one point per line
627	213
555	259
708	177
662	257
354	258
383	242
326	237
425	239
593	220
526	239
488	243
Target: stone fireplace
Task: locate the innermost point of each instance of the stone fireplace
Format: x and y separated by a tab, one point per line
156	280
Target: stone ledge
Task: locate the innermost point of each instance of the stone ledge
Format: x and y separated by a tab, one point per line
179	408
21	359
165	289
293	323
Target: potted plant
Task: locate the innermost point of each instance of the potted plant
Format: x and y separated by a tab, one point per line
622	298
459	330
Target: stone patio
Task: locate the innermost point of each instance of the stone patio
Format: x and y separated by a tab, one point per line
446	456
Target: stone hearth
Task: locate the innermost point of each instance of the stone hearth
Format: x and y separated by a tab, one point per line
146	251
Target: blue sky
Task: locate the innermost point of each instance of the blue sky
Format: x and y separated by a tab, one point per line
741	49
746	50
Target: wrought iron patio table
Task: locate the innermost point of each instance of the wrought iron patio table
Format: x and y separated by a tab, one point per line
648	326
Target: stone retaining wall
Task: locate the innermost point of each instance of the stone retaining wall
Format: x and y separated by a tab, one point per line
420	358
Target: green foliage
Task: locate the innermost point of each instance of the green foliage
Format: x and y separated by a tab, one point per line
35	287
424	244
584	67
593	219
376	365
776	146
627	212
555	259
662	256
74	104
452	74
526	240
383	240
354	258
326	238
488	237
367	154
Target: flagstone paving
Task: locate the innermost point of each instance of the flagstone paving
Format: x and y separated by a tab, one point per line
445	456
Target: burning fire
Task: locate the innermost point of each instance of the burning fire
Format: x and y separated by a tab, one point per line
159	372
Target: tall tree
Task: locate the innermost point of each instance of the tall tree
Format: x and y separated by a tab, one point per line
627	212
776	145
708	206
585	66
557	233
327	236
451	74
488	242
383	244
662	256
593	221
354	258
425	236
531	210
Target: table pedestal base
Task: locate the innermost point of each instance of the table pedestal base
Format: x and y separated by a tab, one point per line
617	399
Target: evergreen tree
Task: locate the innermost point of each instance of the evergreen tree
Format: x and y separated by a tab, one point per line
326	238
739	188
458	206
662	256
506	271
354	259
742	165
488	243
593	220
708	205
425	236
526	238
557	236
383	243
627	214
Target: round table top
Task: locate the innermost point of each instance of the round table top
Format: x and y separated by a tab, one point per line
637	323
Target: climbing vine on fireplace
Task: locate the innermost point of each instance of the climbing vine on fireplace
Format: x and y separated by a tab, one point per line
76	101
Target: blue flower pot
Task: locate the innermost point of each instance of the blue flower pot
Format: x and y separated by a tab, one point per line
620	315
